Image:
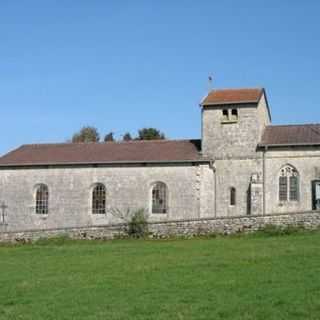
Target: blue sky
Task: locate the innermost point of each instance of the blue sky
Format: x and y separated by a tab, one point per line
123	65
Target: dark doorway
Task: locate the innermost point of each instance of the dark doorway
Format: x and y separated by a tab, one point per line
316	195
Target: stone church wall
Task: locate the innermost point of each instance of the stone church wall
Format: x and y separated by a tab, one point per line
236	173
70	189
307	162
194	191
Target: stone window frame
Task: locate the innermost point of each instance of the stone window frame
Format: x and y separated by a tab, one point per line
232	196
230	115
288	177
94	209
166	198
234	114
225	115
41	199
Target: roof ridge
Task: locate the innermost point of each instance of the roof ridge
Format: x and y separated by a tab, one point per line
237	89
104	143
294	125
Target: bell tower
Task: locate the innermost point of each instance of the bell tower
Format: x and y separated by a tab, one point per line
233	121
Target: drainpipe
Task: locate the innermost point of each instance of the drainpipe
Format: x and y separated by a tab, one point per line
214	169
264	179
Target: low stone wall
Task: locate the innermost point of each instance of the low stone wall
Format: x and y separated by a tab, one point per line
106	232
225	225
233	225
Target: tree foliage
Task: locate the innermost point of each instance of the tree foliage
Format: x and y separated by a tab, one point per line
86	134
109	137
150	134
127	137
90	134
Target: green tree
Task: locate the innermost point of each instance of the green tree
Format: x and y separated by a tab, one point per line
86	134
150	134
109	137
127	137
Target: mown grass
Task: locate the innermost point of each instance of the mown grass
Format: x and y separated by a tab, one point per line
254	277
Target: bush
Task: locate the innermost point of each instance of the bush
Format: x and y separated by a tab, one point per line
138	225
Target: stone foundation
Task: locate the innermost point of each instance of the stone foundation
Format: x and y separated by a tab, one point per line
192	227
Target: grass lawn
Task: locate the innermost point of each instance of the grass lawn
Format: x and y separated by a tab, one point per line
253	277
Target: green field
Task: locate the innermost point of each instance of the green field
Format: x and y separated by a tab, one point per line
253	277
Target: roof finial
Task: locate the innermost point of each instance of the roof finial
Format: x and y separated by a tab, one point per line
210	80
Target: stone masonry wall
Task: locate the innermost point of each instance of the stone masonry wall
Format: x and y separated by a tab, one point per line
231	140
70	192
226	225
307	163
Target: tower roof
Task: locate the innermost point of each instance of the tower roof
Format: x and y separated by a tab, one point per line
232	96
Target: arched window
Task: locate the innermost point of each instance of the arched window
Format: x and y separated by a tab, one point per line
42	199
288	184
234	114
225	115
99	199
232	196
159	198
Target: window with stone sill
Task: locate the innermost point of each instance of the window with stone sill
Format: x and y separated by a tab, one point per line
42	199
234	115
229	115
225	115
99	199
288	184
159	198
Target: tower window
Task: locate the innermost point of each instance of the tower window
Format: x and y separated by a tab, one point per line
229	115
225	115
234	114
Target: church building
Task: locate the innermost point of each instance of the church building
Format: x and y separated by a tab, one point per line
242	166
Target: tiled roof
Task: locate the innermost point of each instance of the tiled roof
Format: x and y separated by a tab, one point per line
99	153
306	134
230	96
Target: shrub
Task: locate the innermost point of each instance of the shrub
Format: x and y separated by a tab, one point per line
138	225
